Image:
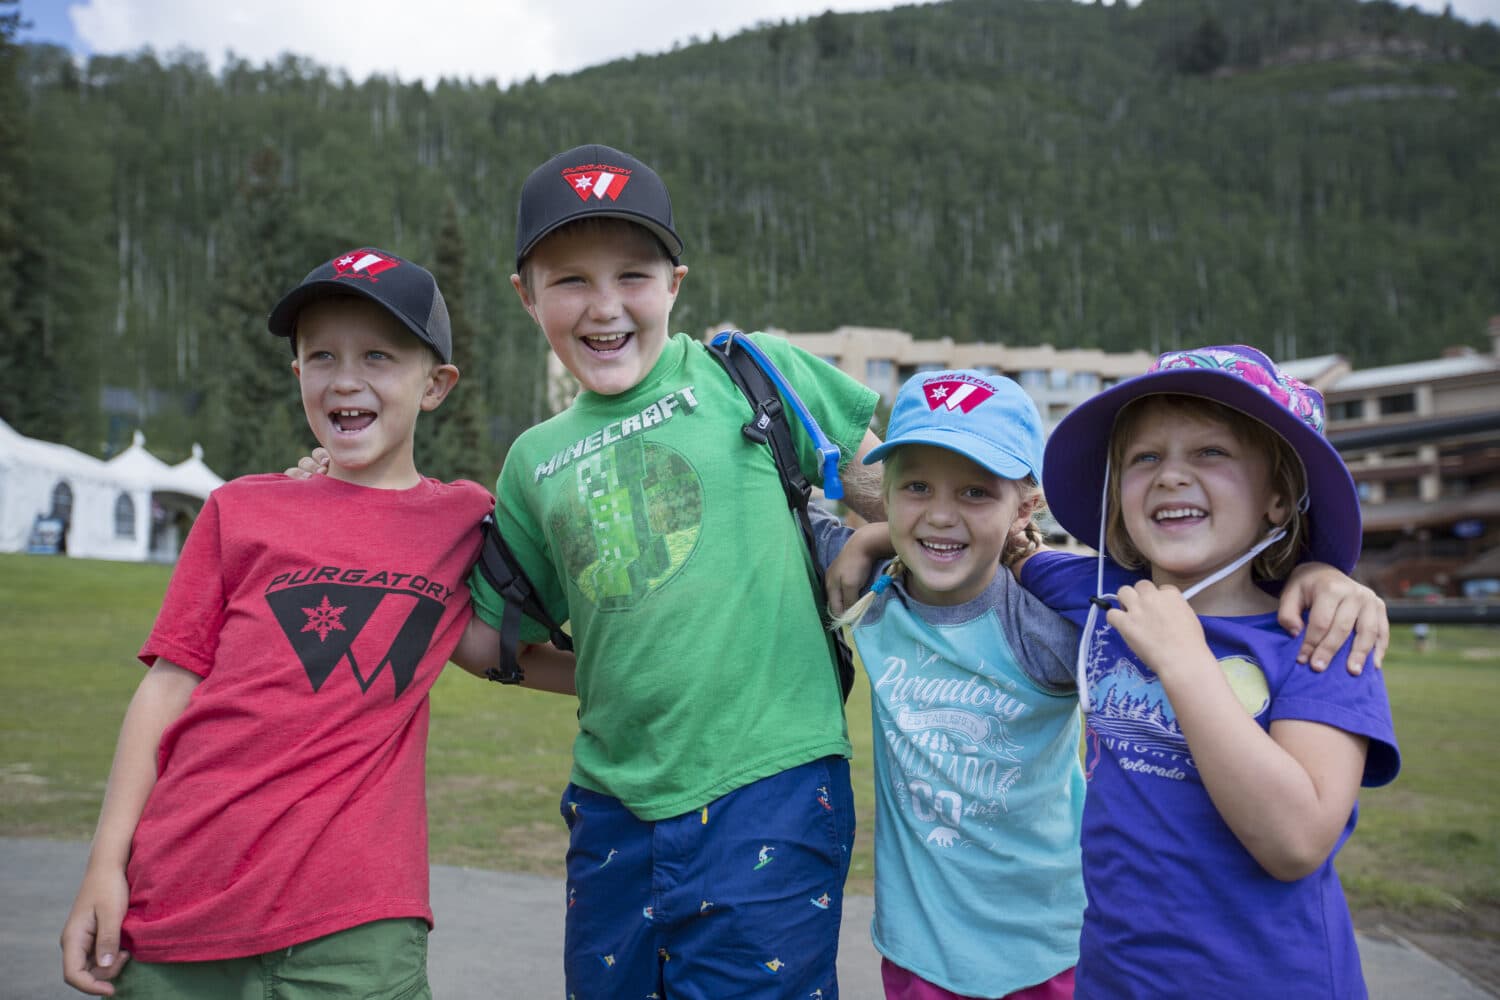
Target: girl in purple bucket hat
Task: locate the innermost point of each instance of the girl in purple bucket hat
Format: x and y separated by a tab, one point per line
1222	776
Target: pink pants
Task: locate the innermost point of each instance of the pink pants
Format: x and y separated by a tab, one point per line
903	985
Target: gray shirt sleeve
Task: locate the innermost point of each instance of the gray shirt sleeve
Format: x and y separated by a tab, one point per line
1045	643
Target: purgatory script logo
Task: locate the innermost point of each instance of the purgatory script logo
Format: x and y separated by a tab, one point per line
370	620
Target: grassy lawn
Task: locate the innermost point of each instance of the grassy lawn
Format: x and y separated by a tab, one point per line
1428	847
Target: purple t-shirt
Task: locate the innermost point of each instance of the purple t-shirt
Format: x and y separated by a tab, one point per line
1176	906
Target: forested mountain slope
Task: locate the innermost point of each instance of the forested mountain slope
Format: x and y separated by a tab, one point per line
1307	175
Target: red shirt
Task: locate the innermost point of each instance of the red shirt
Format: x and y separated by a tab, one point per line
290	799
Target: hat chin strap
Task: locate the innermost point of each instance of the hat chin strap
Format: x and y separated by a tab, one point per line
1101	599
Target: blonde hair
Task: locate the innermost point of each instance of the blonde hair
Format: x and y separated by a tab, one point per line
1015	547
1288	479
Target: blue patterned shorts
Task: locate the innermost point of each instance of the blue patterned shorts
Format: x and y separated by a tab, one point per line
741	898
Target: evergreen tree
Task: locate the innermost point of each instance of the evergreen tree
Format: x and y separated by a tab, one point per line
252	419
451	441
23	369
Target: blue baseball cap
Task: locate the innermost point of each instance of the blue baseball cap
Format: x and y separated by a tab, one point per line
988	419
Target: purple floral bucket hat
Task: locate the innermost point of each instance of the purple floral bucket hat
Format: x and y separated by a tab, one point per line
1073	467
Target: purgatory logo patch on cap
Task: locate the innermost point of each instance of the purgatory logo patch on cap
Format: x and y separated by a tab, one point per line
596	180
956	392
363	264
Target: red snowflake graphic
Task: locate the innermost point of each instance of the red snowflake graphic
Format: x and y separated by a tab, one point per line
324	619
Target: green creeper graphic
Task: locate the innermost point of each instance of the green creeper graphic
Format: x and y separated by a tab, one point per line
632	521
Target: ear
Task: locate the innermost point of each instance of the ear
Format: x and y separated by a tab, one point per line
440	382
1030	506
297	369
1277	512
674	281
526	303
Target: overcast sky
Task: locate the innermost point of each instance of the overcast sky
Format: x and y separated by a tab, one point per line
505	39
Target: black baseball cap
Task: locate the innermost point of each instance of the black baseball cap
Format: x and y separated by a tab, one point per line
407	291
593	181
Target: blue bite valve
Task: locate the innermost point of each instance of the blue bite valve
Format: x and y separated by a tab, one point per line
833	487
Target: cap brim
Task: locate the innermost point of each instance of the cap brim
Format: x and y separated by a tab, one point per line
996	460
283	319
1073	465
669	239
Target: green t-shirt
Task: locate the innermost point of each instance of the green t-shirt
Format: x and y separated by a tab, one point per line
661	532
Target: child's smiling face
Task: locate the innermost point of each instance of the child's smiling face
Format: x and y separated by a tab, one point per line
364	379
1194	495
949	520
603	295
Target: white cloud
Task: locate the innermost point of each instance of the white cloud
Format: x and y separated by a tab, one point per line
505	39
1469	10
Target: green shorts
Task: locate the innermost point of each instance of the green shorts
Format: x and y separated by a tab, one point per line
381	960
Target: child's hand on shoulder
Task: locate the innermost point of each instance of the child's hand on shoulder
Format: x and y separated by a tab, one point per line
1159	626
308	466
850	570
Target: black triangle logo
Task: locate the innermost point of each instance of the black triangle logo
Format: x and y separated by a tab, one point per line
323	623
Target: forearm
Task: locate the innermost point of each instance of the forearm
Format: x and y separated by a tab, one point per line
548	668
162	696
862	492
544	667
1268	799
479	649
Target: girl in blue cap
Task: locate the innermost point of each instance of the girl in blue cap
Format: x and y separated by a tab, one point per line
978	787
1222	776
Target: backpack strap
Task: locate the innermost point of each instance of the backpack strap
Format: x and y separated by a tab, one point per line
769	426
500	568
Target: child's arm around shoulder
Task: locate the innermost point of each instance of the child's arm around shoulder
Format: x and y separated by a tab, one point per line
545	667
1286	794
91	936
1336	605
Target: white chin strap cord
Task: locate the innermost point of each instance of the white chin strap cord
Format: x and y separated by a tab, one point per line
1101	599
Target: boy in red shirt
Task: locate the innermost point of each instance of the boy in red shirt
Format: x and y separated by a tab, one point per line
265	819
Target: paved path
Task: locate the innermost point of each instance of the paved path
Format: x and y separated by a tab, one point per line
500	936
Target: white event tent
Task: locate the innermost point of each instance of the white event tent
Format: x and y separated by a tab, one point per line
133	507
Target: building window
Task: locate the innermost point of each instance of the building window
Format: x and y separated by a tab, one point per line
1086	382
1455	486
1058	378
1348	409
1405	402
880	375
1032	378
1366	489
124	516
1402	489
